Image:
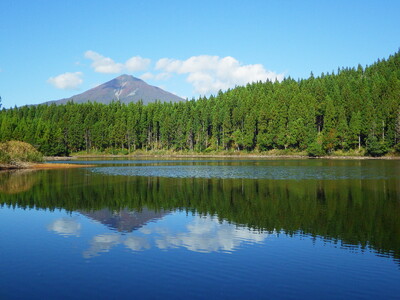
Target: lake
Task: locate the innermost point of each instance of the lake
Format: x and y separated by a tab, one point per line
202	229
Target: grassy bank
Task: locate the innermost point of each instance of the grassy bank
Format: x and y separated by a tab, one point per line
353	154
20	155
167	153
15	154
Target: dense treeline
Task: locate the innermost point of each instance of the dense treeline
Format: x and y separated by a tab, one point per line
354	212
353	108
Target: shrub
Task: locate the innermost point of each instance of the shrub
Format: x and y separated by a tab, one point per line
124	152
397	148
14	151
376	148
4	157
315	149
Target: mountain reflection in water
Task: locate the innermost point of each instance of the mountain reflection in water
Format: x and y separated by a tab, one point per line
124	220
140	230
226	211
202	234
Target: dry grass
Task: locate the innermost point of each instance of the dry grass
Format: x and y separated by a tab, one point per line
59	166
15	152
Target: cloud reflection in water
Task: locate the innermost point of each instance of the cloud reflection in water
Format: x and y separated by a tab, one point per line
65	227
203	234
102	243
207	234
137	243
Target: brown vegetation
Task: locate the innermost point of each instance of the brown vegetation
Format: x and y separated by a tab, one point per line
15	153
58	166
17	181
21	155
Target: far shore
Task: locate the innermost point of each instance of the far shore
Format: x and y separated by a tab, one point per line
39	166
191	155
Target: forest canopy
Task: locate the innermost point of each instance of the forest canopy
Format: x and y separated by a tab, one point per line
352	108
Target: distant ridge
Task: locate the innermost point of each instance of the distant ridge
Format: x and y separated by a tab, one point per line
124	88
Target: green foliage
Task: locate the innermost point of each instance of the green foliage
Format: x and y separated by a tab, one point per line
353	138
5	157
376	148
343	109
397	148
315	149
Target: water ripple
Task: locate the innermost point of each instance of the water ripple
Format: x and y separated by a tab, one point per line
249	172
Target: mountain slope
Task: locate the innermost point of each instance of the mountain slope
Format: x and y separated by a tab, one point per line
124	88
125	220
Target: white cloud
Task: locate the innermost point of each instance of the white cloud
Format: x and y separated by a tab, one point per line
137	63
105	242
67	81
208	74
65	227
102	243
102	64
203	234
208	234
137	243
147	76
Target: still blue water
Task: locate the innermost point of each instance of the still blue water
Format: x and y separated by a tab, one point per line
202	230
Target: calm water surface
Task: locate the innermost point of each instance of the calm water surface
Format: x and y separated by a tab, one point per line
202	229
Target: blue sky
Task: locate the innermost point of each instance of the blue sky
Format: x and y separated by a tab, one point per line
55	49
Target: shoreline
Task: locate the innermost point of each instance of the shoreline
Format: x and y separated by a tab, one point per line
41	166
45	165
243	156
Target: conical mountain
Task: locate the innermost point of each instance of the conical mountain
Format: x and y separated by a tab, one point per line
125	220
124	88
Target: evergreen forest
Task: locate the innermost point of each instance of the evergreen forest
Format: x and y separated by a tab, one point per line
351	109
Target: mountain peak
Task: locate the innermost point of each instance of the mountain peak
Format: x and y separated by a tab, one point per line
124	88
126	77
